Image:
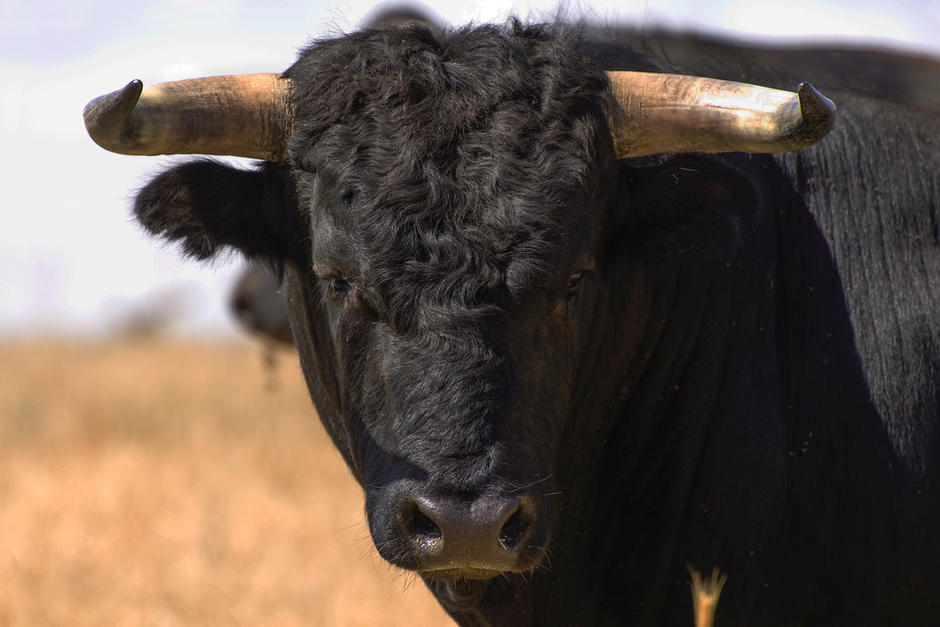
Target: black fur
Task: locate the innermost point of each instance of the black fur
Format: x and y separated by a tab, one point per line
206	205
719	360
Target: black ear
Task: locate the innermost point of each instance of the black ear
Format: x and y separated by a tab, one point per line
689	204
206	205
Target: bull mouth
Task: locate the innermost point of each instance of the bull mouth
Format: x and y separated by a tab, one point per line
462	574
460	593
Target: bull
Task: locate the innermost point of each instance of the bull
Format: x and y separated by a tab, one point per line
577	317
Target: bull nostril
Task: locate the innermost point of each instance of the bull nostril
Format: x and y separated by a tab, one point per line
513	531
424	529
420	529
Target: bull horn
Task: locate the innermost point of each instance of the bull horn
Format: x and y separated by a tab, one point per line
248	115
661	113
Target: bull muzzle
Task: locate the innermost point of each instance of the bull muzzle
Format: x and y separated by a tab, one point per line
457	538
459	542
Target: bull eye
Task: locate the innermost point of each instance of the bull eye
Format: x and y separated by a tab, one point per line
572	292
337	288
573	281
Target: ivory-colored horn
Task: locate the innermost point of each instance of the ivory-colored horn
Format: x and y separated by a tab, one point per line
248	115
251	116
670	113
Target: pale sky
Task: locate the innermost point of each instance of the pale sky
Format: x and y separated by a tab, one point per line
73	262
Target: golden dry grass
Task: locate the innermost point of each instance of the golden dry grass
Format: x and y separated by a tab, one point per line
161	483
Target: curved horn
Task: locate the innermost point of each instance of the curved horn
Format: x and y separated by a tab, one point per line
248	115
660	113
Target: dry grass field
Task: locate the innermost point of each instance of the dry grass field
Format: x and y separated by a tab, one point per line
166	483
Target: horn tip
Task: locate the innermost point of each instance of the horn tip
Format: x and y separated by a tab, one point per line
819	113
106	116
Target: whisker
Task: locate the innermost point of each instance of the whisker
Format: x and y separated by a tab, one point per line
536	482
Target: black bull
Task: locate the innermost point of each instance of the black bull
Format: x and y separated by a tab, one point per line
562	377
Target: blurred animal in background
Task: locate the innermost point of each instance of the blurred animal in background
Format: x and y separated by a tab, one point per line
259	306
577	316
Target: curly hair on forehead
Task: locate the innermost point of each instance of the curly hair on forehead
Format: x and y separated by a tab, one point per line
455	151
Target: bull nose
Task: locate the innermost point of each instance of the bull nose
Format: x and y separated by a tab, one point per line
467	538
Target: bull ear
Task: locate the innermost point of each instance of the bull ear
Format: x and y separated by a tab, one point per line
206	205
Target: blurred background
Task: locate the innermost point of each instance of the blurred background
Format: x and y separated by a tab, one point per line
156	468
